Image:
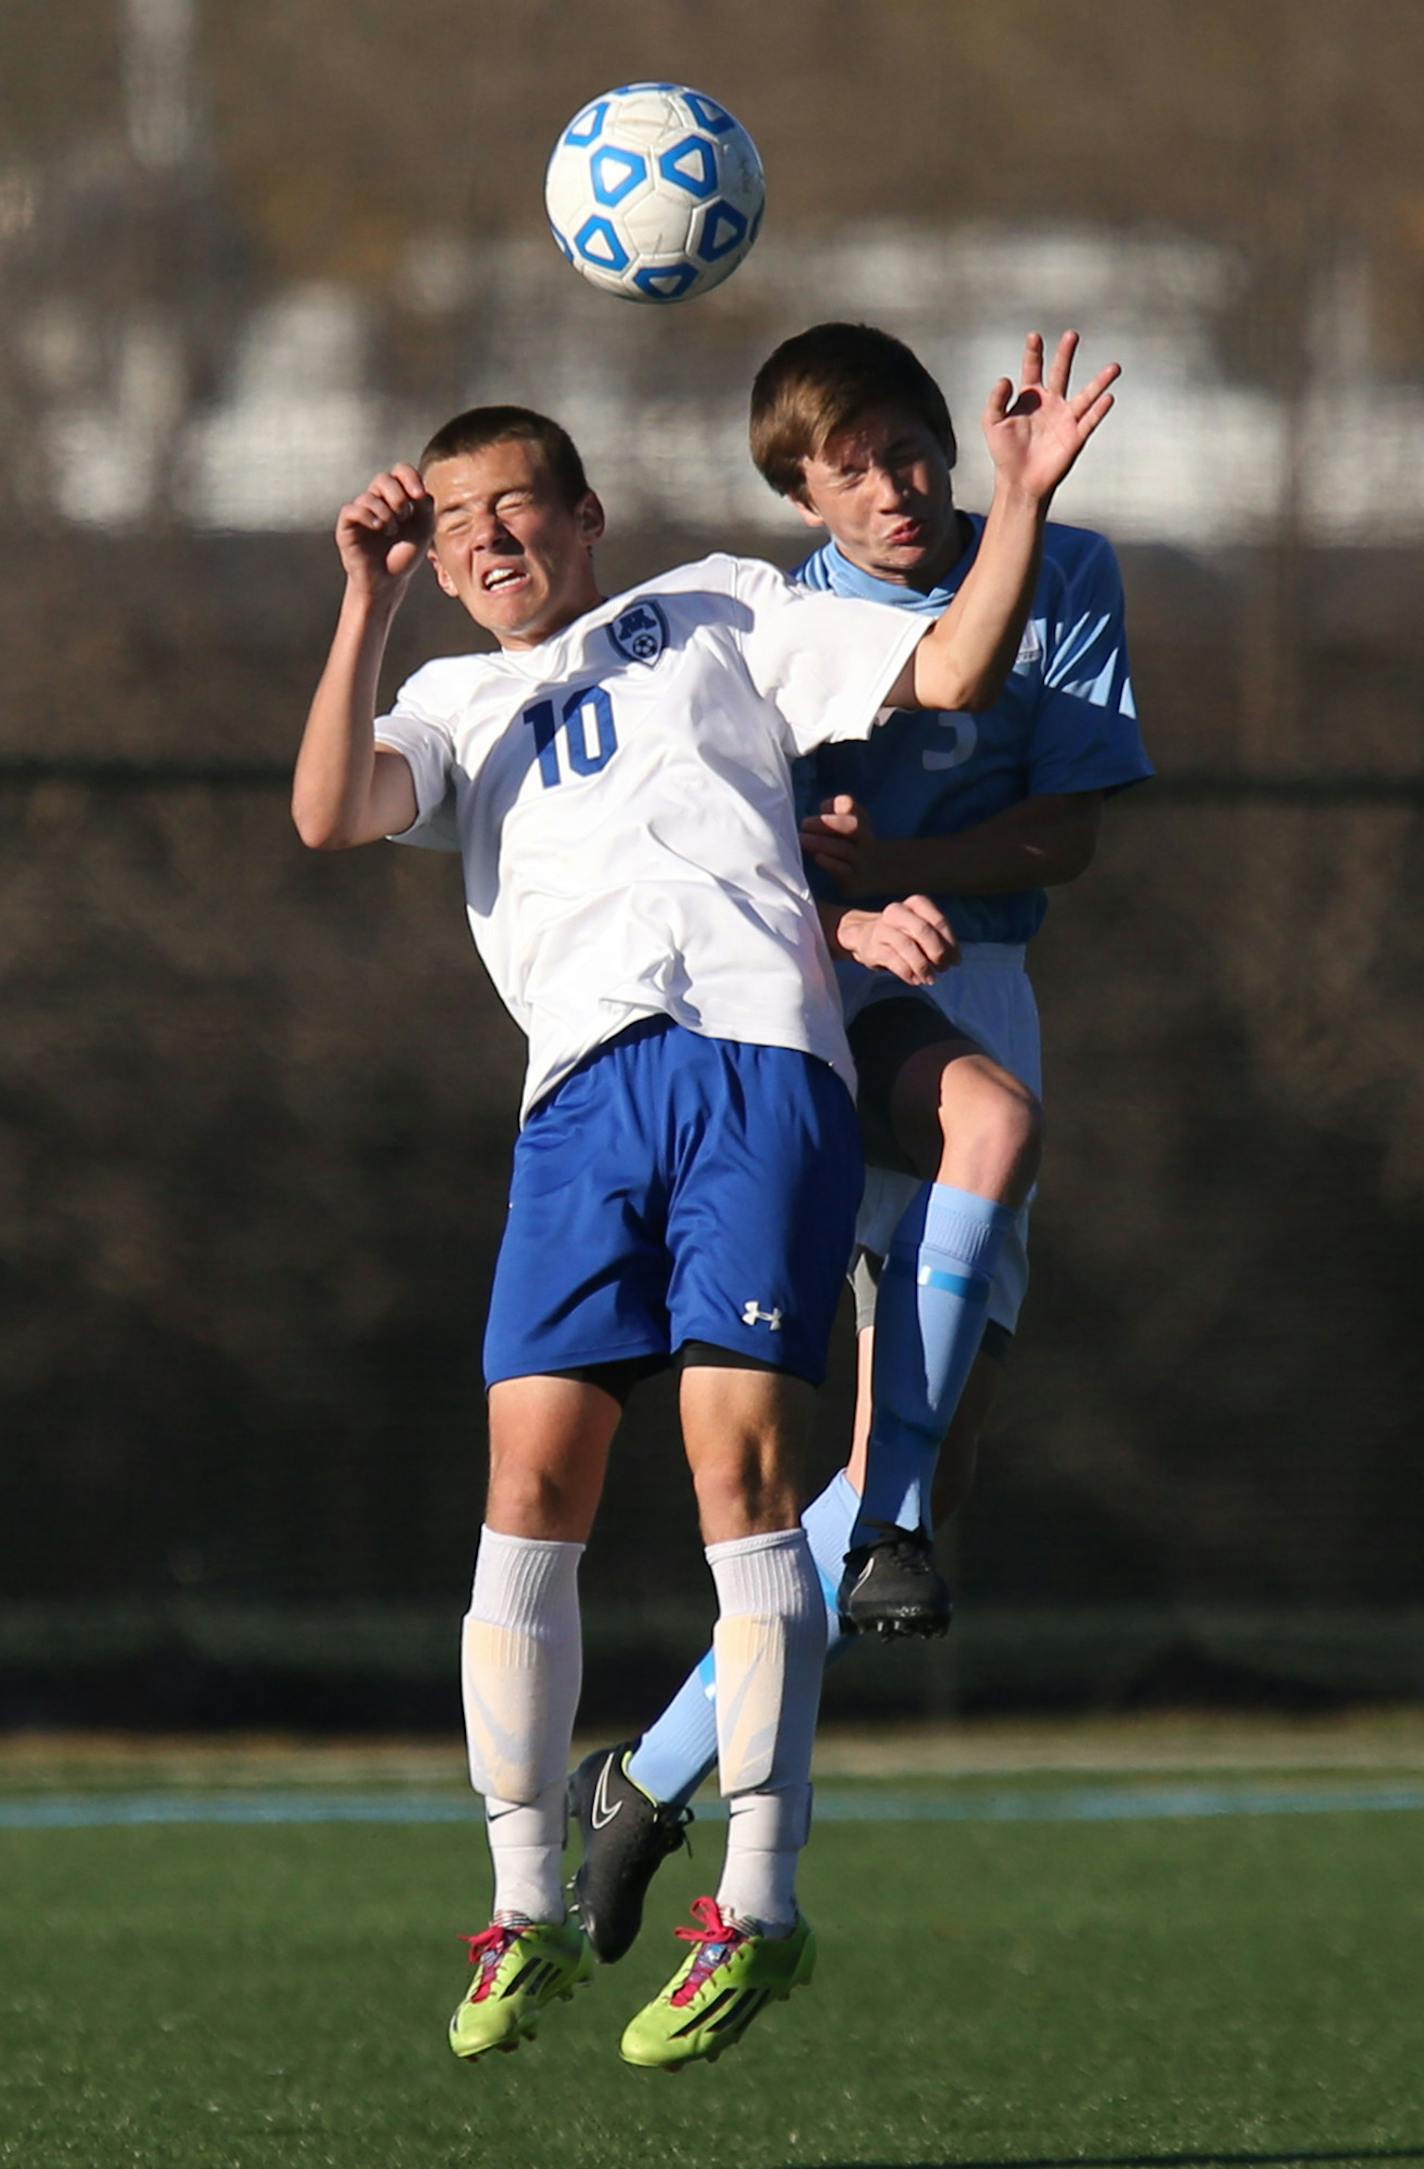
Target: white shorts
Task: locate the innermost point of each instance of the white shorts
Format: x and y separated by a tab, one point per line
988	996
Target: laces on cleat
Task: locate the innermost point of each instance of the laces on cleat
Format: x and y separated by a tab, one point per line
909	1548
713	1926
485	1941
891	1585
487	1953
718	1934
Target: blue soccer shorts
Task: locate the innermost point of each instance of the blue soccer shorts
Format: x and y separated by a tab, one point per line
675	1188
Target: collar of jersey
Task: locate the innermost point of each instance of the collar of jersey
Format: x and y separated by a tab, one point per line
849	579
534	662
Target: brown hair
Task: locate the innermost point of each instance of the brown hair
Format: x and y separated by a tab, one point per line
817	384
479	427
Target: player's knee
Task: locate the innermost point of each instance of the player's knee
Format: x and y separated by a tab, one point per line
534	1500
983	1109
750	1492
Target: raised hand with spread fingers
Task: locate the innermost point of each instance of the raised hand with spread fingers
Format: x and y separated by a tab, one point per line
1036	432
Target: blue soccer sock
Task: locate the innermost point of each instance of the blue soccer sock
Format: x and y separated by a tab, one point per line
676	1753
680	1750
929	1321
828	1521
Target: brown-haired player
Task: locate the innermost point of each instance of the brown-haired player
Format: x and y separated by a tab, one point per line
981	810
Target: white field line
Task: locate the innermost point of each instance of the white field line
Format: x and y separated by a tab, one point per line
1077	1804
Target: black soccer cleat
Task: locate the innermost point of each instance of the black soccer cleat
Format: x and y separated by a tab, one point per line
892	1586
626	1838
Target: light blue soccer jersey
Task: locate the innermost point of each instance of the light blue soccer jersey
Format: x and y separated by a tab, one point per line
1066	721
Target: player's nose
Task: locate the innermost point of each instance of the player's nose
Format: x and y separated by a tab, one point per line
890	486
489	532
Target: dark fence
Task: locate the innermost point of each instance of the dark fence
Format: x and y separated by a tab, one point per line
260	1107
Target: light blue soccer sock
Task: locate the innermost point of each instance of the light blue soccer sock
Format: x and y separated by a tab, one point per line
929	1321
680	1750
676	1753
828	1521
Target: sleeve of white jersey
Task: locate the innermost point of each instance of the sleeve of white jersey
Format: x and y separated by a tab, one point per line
825	662
418	727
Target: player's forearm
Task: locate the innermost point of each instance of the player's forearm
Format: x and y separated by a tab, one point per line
332	784
1038	844
845	926
964	662
832	918
910	938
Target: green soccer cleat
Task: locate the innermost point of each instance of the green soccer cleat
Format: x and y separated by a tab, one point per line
520	1968
709	2003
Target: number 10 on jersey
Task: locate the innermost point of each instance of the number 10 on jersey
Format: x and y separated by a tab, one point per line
586	721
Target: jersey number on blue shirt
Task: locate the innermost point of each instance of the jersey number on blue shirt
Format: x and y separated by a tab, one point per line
963	738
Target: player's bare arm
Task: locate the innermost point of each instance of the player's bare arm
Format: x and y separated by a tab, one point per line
346	789
911	938
1034	435
1040	843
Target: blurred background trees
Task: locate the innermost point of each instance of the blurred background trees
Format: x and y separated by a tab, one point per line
258	1107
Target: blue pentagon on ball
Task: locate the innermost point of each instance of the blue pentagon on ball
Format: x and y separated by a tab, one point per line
713	116
616	173
586	127
691	164
597	240
665	282
723	228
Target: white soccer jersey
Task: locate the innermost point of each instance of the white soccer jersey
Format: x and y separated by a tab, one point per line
622	799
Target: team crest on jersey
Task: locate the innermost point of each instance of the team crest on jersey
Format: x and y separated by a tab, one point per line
641	633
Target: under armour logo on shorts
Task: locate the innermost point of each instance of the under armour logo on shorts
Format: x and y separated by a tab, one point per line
753	1314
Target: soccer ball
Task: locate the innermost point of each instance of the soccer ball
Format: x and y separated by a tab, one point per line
654	192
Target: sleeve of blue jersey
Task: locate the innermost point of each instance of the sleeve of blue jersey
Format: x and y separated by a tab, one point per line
1085	733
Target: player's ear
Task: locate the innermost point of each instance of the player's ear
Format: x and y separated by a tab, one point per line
447	584
589	516
806	509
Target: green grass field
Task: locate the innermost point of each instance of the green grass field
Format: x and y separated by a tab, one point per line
1205	1987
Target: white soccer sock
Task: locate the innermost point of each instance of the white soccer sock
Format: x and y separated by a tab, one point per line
521	1670
527	1848
770	1644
